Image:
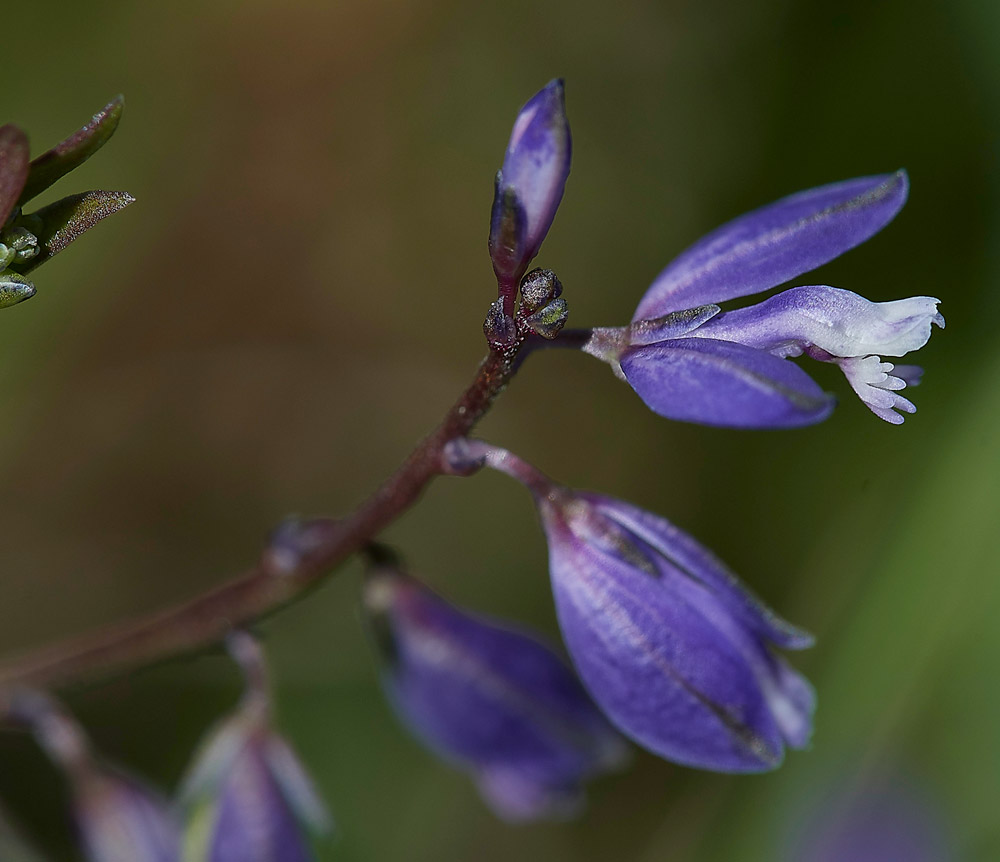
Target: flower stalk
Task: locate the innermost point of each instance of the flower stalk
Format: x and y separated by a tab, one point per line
282	574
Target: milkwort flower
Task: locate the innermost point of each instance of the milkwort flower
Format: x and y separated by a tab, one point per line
689	360
119	818
671	646
247	795
492	700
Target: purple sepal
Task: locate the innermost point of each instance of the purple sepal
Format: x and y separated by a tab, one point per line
723	383
246	795
668	643
254	820
530	184
491	700
775	243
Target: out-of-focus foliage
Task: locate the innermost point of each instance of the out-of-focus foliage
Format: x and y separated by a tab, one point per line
298	295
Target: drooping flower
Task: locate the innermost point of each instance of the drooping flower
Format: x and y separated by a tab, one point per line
689	360
675	651
530	184
120	819
247	796
489	699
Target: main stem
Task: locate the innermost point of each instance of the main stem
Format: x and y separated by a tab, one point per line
263	589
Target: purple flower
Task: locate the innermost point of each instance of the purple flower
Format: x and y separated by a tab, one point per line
491	700
530	184
690	361
119	818
675	651
247	795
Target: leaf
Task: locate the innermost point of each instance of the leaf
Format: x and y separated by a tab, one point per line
74	151
13	167
69	218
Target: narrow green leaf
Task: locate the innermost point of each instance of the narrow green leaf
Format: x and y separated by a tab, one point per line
74	151
69	218
13	167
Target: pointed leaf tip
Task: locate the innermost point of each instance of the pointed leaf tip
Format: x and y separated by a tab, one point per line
66	220
74	151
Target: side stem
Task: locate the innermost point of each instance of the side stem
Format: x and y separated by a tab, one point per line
266	587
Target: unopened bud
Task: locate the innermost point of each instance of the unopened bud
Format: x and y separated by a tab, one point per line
14	288
538	287
22	242
548	321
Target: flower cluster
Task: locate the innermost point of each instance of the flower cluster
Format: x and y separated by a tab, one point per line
667	647
246	797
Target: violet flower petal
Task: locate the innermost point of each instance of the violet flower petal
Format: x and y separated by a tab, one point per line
775	243
531	182
254	822
837	321
489	699
689	558
675	657
723	383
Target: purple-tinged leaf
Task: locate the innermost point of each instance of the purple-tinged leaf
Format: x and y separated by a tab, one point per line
73	152
723	383
775	243
13	168
68	219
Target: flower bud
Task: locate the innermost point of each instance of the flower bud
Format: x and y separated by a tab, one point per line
119	818
247	796
668	643
492	700
14	288
549	321
674	650
538	287
530	184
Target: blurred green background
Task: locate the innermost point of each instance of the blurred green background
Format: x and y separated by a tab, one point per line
297	296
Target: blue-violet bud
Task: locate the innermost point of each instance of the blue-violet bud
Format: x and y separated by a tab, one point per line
530	184
248	798
670	645
490	699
